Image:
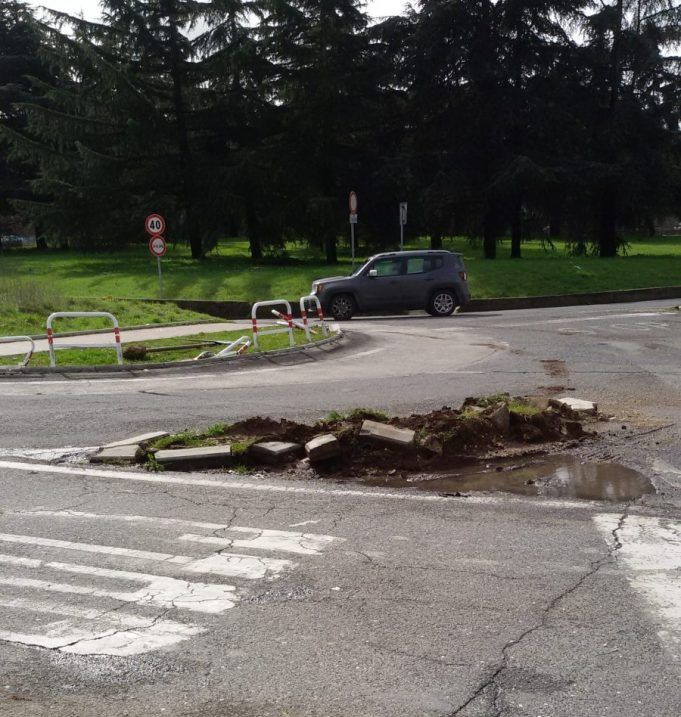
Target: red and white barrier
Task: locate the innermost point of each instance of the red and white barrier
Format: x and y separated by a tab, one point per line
51	336
308	321
268	329
235	348
284	321
22	339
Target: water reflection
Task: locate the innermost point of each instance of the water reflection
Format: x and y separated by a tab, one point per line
555	476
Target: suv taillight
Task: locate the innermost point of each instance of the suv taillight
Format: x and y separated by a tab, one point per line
463	275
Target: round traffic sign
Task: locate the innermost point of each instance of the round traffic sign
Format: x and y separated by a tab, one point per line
154	224
353	203
157	246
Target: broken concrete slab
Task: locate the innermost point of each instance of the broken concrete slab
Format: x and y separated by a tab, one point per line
323	448
206	457
140	440
500	417
275	452
381	434
576	405
432	444
121	455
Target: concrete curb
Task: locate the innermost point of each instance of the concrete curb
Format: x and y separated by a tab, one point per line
557	300
12	371
242	309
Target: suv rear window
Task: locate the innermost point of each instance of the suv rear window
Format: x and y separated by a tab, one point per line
423	264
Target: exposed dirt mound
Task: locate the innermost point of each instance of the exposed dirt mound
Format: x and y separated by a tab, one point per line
483	427
269	429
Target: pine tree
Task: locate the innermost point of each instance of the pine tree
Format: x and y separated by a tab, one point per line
318	50
479	71
132	125
18	61
633	90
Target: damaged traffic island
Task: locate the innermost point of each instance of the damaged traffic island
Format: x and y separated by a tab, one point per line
489	444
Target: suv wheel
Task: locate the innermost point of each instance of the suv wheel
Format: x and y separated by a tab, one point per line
342	307
442	303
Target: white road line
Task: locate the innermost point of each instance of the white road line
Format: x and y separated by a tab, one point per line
238	484
301	543
160	590
260	539
601	317
228	565
116	633
361	354
47	454
651	553
164	522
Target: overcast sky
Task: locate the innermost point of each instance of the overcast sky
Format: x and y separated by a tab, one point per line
376	8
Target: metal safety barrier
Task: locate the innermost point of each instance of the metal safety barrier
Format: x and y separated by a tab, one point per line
235	348
310	322
284	321
267	330
22	339
78	315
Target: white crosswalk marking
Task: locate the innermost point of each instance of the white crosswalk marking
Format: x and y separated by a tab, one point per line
286	540
59	603
162	591
97	632
228	565
651	552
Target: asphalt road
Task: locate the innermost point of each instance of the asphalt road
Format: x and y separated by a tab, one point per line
129	593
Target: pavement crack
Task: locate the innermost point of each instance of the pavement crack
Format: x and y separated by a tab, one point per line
492	681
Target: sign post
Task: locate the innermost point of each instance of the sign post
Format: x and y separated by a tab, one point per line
403	221
353	220
155	225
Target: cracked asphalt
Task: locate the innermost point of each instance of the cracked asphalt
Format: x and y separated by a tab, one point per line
338	600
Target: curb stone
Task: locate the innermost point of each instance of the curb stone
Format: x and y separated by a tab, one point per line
12	371
205	457
242	309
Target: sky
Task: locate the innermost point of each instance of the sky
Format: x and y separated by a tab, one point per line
376	8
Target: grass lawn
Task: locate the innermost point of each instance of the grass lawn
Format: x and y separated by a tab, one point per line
229	274
25	306
92	357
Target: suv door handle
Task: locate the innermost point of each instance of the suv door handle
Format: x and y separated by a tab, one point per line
430	278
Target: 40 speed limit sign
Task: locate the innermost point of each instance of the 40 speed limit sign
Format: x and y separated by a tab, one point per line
154	225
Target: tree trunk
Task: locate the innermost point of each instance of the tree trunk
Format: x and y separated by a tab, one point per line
330	248
516	231
489	238
608	242
436	241
188	179
253	228
607	239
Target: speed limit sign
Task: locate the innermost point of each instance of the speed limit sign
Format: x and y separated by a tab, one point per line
157	246
154	225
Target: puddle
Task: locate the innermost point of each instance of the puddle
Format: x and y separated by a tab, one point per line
554	477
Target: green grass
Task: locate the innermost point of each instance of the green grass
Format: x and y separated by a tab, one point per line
103	357
25	305
229	274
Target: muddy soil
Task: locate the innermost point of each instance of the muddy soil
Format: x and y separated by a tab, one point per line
489	427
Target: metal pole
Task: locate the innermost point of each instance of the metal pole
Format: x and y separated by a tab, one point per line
160	276
401	234
352	243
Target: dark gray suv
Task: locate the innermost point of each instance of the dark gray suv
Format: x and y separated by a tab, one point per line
432	280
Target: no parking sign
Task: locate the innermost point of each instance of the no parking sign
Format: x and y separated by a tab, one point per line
155	225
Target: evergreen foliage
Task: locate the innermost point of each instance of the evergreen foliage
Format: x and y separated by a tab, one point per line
492	118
